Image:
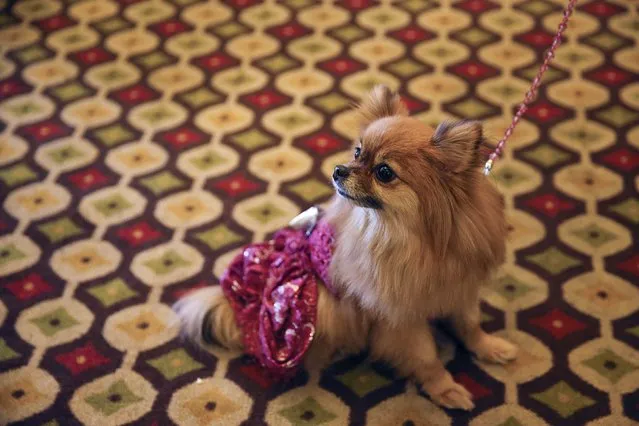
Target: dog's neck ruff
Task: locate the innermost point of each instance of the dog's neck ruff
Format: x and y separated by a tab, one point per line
272	288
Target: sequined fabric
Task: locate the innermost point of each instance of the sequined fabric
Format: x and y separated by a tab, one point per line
272	288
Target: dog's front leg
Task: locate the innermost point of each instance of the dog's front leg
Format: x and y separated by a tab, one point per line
412	350
486	346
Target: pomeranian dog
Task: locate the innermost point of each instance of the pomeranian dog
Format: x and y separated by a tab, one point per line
418	230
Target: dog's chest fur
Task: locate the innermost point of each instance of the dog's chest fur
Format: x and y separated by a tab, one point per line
393	274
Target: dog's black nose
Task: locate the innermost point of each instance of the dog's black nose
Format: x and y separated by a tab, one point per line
340	173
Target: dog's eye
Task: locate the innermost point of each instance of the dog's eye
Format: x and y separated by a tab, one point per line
384	173
358	152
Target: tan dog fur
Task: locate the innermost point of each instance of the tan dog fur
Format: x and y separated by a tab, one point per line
438	236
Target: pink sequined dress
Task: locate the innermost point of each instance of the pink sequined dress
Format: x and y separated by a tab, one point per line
272	287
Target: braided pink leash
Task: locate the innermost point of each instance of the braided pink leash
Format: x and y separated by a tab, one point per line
532	92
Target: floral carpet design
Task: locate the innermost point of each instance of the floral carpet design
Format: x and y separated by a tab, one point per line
142	143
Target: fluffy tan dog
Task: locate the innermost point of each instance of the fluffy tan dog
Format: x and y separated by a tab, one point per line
418	231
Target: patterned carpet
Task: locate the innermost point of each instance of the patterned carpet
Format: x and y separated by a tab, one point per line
144	142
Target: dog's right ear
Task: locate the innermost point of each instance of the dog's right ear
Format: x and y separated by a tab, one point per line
381	102
459	141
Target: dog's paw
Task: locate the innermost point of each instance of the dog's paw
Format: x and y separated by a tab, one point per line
495	349
448	393
455	396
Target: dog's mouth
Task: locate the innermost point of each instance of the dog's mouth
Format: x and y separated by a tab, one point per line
344	194
366	202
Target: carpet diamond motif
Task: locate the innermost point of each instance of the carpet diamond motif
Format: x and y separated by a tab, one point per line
142	143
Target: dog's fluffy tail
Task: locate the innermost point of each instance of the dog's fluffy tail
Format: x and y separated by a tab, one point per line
207	318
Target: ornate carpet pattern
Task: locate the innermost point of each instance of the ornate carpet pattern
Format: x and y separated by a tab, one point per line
144	142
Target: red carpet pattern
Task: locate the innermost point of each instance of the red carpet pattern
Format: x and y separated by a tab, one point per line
142	143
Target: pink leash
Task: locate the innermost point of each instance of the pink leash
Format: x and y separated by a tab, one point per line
532	92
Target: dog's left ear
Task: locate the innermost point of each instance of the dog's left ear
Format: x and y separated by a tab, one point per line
381	102
459	142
